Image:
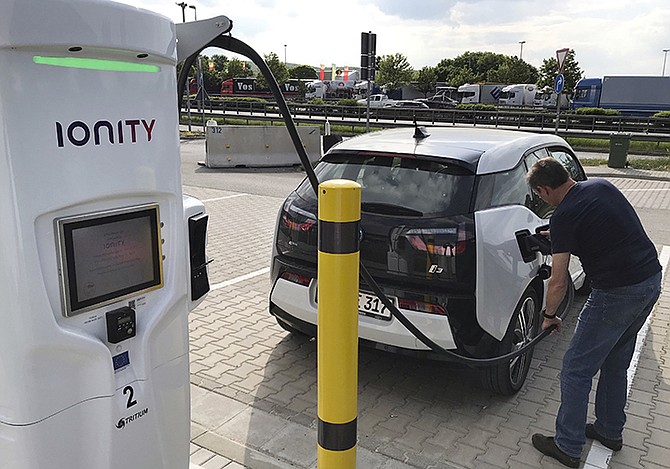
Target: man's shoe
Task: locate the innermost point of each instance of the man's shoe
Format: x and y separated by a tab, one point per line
592	434
546	446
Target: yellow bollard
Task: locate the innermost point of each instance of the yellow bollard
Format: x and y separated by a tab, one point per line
337	333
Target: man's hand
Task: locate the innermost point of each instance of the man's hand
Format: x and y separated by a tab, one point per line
547	323
558	283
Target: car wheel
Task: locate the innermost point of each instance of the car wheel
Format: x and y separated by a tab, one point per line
508	377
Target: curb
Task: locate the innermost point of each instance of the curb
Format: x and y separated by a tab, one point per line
604	171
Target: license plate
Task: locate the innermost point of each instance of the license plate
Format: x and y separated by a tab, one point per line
370	305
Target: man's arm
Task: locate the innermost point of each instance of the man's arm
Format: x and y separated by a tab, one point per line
557	286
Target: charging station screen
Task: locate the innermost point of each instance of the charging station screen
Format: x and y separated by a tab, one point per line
109	256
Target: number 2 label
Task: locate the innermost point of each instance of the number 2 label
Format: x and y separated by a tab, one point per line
130	391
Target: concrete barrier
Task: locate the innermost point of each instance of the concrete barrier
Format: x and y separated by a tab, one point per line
228	146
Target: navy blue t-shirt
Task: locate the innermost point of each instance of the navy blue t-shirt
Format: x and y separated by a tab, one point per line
596	223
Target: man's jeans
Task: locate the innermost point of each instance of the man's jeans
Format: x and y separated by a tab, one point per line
604	340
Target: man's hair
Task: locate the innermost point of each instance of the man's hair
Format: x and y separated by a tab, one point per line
547	172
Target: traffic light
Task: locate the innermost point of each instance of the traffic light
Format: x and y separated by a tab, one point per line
368	51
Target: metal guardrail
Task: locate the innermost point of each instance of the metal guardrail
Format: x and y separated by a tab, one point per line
570	124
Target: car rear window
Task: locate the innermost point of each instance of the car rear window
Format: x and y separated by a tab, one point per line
400	185
504	188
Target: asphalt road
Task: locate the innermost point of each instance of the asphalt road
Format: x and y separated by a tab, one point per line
273	182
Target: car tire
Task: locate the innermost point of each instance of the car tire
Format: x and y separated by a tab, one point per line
508	377
585	290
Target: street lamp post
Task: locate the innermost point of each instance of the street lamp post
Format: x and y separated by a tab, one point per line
200	95
183	6
521	51
284	54
665	58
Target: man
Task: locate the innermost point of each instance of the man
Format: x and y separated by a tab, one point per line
595	222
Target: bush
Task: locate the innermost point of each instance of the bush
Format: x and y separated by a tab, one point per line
347	102
597	111
662	115
317	101
476	107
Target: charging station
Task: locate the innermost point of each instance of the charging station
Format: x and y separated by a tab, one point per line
101	255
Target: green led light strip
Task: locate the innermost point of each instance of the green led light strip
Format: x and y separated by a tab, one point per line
96	64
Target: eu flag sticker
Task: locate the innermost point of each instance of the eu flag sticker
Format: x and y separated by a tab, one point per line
121	361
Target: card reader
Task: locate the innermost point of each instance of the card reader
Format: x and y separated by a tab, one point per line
120	325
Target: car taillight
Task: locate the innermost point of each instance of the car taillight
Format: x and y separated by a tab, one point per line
462	239
295	278
446	242
296	219
297	225
297	229
421	306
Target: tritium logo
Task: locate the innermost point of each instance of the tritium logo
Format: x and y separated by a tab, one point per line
121	424
79	133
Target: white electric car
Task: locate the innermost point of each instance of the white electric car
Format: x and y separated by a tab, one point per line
444	214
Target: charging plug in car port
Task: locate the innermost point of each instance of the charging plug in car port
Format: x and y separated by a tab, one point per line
530	244
544	272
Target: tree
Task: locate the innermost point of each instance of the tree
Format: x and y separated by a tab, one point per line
236	68
394	71
220	63
469	67
571	71
303	72
461	76
426	79
278	69
513	70
211	78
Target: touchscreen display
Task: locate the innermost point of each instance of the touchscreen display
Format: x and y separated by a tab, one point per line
109	256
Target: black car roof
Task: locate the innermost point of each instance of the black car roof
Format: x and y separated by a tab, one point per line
487	150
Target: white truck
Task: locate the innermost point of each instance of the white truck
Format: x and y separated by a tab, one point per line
378	100
518	95
330	89
361	89
546	98
480	93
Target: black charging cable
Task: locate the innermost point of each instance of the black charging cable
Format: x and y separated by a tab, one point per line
563	307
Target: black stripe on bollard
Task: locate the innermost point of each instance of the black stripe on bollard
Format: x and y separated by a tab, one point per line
339	238
337	436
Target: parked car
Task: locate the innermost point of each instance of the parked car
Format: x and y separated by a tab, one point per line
439	101
440	226
376	101
407	104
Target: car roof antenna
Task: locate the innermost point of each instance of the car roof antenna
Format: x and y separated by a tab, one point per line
420	132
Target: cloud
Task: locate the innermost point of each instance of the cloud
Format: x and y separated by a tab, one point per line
416	10
613	37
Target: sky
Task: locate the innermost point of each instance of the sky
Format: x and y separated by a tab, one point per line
610	37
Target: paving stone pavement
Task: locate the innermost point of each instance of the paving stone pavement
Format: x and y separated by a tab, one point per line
254	385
